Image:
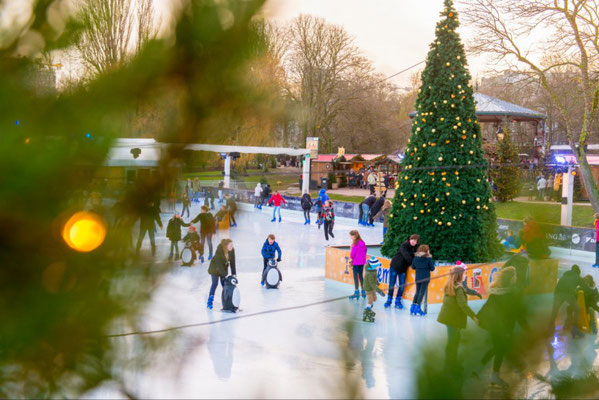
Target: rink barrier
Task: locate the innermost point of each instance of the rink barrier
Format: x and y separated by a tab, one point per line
543	275
567	237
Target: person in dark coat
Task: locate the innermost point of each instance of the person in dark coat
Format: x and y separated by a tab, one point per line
307	204
270	249
498	317
365	209
265	195
207	230
423	265
399	268
565	292
173	233
150	213
186	201
223	261
209	198
376	207
232	207
319	207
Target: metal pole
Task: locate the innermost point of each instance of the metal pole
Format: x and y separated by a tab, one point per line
567	197
227	182
306	175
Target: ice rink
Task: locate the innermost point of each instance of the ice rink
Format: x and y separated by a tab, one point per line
294	353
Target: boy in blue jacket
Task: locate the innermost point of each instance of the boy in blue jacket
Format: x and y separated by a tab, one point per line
269	249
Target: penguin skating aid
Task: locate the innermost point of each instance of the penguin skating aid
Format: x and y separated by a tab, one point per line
272	275
231	297
188	256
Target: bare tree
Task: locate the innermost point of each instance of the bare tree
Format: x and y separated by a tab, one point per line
321	60
505	29
146	26
107	38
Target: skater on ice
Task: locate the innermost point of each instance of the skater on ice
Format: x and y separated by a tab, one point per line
328	216
207	230
220	266
186	201
357	258
265	195
149	214
384	212
365	209
257	195
276	201
192	241
270	250
423	265
376	207
498	317
371	286
232	208
173	233
307	204
453	315
400	263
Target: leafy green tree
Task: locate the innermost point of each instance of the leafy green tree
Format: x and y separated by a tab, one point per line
442	192
507	175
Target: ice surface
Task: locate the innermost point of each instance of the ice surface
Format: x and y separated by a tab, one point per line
293	353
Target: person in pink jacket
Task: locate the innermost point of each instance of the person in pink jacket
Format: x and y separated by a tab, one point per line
358	259
276	199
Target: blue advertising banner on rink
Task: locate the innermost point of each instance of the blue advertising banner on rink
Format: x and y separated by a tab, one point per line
568	237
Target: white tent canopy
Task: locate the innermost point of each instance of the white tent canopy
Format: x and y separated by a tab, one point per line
151	152
219	148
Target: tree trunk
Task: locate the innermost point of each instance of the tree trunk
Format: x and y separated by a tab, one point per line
587	177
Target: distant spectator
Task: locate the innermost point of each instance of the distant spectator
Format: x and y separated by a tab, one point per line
541	186
549	187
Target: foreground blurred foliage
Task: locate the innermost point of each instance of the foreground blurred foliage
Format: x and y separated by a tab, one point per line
58	304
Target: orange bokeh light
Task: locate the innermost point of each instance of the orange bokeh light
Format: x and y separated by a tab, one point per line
84	231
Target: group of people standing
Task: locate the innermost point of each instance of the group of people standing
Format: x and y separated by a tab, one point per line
373	208
369	178
546	188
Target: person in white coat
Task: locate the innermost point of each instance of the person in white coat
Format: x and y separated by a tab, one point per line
257	195
541	186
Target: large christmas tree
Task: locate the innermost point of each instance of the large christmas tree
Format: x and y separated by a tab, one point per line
442	193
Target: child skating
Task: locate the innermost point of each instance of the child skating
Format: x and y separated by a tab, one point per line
357	258
276	200
371	286
270	249
423	265
192	239
329	219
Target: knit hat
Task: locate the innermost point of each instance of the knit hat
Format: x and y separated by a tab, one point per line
461	264
374	263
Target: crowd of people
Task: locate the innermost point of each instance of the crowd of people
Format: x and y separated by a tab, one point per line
371	179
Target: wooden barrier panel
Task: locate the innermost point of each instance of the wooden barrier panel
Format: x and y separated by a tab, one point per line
224	224
543	275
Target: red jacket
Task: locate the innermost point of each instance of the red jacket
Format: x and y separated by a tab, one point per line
276	199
